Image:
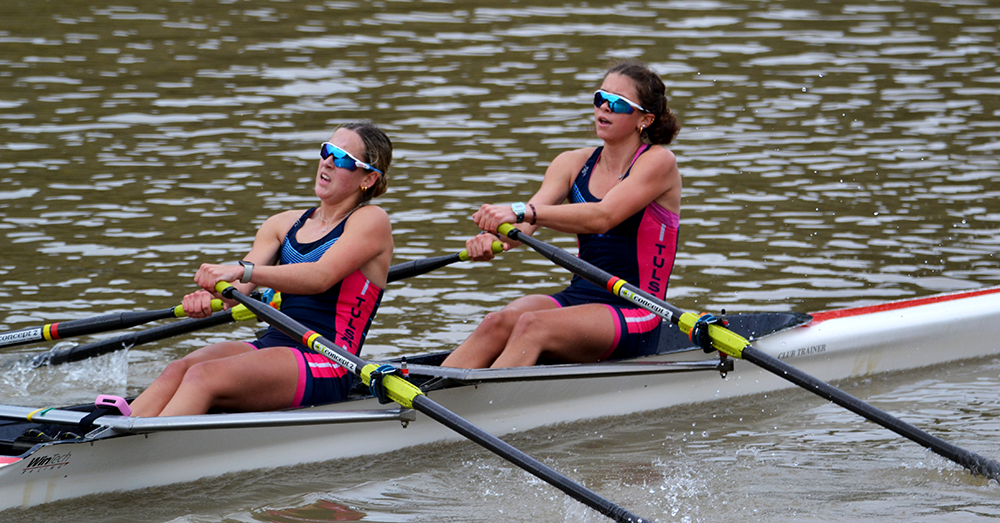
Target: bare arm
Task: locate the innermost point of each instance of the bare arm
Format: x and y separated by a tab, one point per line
554	190
265	248
366	244
654	177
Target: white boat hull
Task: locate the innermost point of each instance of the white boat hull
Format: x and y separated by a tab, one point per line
837	345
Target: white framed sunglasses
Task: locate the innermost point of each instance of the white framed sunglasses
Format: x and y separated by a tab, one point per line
616	103
344	159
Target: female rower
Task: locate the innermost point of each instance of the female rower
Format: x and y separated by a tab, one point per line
329	262
625	198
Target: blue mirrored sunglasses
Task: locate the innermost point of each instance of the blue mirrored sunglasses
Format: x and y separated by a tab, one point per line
344	159
617	104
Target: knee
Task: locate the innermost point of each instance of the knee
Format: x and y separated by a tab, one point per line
199	376
498	322
175	370
529	327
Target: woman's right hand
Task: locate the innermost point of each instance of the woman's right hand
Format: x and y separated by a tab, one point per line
480	248
198	304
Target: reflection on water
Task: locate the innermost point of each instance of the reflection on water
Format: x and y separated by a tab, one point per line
832	154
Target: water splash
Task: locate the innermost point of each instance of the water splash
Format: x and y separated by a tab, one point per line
78	382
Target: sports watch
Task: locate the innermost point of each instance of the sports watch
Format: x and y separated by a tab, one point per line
247	271
519	208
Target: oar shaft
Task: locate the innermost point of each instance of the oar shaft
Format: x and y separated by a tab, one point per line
68	329
92	350
409	269
97	324
526	462
596	275
124	320
408	395
735	345
404	270
975	463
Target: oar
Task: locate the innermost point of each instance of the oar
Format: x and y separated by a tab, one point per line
728	342
395	388
58	356
238	313
97	324
124	320
404	270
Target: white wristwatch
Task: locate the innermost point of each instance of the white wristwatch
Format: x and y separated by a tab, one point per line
247	271
518	208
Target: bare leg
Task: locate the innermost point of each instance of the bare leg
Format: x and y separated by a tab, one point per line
578	334
156	396
258	380
483	346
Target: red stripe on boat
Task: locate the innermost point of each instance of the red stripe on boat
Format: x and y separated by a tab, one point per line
895	305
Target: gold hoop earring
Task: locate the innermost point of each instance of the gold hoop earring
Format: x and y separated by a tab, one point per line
364	188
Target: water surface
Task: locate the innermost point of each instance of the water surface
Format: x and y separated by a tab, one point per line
833	155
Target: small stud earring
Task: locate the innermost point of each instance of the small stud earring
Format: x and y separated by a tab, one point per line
364	188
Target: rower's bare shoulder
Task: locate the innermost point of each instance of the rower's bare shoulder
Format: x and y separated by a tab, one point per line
573	160
662	156
372	213
370	219
279	224
567	165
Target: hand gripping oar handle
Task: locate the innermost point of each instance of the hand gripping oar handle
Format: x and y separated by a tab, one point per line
409	396
408	269
97	324
728	342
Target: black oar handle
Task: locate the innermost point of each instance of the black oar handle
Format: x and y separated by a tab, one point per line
404	270
409	396
735	345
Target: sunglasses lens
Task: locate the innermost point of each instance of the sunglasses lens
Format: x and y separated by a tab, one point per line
345	163
615	104
621	107
340	158
326	150
598	100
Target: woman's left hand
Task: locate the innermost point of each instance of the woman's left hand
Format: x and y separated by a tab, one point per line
209	275
489	217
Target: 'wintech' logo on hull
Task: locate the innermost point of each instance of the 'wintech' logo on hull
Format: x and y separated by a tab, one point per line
40	463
